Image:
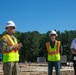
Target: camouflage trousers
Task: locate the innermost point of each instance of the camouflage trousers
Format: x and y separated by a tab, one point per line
10	68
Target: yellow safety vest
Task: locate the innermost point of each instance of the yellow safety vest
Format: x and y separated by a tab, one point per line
53	53
13	55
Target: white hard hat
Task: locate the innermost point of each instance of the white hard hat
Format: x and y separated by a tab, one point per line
10	24
53	32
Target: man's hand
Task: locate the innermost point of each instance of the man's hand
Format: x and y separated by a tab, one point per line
17	46
73	51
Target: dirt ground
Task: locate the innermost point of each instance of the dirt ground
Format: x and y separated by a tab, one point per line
39	69
44	73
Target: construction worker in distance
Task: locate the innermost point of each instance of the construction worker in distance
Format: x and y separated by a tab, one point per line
10	48
54	49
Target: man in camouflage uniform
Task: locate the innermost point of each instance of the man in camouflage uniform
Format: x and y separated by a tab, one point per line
9	48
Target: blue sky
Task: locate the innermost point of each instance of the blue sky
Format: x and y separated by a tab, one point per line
39	15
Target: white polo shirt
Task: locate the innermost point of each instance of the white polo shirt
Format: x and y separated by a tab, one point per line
73	44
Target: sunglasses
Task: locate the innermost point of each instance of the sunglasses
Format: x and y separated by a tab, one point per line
12	27
53	34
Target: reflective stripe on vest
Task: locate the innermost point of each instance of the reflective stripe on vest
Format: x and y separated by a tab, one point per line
13	54
53	53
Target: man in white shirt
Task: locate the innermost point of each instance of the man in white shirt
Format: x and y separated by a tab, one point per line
73	49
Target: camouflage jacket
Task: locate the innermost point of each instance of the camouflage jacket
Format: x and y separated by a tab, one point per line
4	46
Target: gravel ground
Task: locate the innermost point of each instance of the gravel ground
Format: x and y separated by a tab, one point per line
39	69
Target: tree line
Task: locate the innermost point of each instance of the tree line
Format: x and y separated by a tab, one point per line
34	44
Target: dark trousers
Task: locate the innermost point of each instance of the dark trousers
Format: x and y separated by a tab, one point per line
74	65
56	65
